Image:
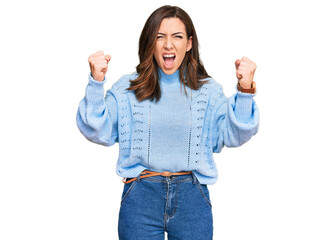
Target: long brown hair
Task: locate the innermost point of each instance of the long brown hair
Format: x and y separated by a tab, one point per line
147	85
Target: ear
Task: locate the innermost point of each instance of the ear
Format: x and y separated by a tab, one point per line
189	44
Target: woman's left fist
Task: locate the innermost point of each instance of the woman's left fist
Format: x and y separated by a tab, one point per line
245	70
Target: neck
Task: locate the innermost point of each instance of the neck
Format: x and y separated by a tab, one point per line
169	78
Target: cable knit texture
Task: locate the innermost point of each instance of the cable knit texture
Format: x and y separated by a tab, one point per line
179	133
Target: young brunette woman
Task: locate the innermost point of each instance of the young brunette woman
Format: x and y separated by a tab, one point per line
168	118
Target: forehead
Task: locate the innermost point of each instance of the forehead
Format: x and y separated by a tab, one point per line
170	25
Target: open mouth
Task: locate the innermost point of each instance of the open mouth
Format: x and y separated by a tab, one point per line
168	60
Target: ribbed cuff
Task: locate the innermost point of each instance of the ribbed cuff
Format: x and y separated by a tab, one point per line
93	81
95	90
243	107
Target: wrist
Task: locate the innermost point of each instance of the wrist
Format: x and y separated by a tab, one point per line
96	82
246	89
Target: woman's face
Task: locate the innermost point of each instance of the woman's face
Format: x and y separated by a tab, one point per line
172	43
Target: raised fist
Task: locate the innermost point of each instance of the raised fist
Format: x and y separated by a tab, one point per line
245	70
98	65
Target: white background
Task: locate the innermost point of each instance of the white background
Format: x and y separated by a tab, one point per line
54	184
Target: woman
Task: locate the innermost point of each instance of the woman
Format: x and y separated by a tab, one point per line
167	136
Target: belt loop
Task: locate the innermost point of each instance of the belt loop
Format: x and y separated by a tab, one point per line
138	178
194	178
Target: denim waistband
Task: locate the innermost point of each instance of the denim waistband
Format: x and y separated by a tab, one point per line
171	179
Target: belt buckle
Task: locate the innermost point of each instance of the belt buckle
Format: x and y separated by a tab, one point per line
166	174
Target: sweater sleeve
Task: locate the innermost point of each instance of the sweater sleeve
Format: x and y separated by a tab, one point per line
236	120
97	115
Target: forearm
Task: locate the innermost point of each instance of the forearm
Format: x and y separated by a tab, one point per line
243	118
96	116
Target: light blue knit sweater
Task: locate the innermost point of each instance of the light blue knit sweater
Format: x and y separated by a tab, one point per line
178	133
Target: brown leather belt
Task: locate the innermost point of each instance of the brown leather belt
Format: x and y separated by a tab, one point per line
147	173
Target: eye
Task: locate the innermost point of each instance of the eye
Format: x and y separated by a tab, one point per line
179	36
158	37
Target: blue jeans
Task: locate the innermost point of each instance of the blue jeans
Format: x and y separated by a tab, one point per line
179	205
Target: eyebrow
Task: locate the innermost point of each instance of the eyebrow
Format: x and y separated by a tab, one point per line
172	34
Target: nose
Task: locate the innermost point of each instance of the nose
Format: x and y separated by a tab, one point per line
168	43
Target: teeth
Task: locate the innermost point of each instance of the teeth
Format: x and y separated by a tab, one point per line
169	55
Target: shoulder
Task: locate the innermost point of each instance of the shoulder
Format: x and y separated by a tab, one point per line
211	86
123	82
212	92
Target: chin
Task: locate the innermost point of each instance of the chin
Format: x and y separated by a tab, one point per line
168	71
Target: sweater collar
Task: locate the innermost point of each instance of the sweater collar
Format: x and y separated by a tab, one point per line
172	78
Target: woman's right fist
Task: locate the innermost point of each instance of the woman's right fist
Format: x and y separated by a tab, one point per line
98	65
